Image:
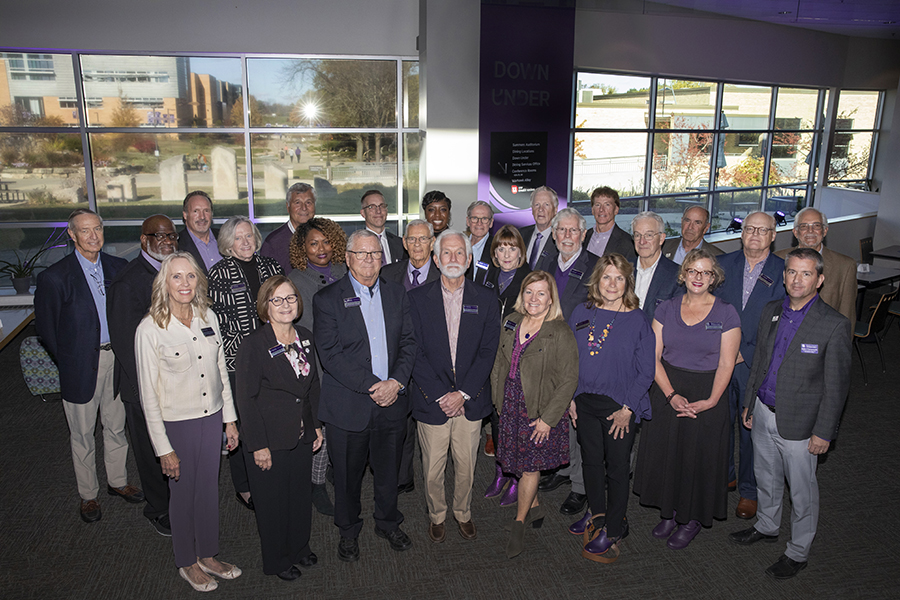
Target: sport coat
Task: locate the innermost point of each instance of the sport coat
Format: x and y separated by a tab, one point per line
309	282
343	346
663	286
508	296
395	245
814	376
275	405
66	319
485	259
433	373
840	287
127	302
186	244
548	254
277	246
396	272
769	287
619	241
575	291
670	247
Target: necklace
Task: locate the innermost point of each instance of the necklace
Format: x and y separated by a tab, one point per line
594	344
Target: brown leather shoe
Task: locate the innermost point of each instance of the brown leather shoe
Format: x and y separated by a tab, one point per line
467	530
746	509
436	532
90	511
128	493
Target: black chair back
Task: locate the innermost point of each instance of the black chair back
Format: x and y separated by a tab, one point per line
865	250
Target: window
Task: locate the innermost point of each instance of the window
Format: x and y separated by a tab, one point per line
855	135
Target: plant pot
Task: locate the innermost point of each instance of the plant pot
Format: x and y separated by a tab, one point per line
22	285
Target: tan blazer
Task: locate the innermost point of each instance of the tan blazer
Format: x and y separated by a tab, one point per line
549	369
840	287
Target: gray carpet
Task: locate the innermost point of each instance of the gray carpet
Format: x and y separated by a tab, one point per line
48	552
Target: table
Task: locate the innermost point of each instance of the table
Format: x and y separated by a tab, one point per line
14	320
891	252
875	277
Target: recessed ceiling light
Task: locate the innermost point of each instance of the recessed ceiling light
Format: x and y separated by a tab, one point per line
785	12
889	22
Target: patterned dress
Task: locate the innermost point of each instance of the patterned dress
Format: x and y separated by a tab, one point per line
516	452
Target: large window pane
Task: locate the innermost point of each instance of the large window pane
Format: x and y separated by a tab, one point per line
681	162
787	199
745	157
612	101
410	93
412	151
139	174
613	159
685	104
850	155
857	110
322	93
39	90
796	108
19	245
746	107
730	202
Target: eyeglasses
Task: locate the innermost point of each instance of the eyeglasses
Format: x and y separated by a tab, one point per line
418	240
278	300
644	236
482	220
804	227
568	231
695	273
163	236
376	207
757	230
362	255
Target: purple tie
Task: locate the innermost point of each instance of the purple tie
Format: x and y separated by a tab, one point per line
416	277
535	250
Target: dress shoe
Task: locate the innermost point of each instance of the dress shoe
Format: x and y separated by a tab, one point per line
128	493
230	572
578	527
516	542
683	536
489	446
603	548
310	561
664	528
405	488
161	525
573	504
290	574
467	530
533	518
746	509
550	482
200	587
785	568
732	485
436	532
750	536
592	529
398	540
500	481
511	495
348	549
248	502
321	500
90	511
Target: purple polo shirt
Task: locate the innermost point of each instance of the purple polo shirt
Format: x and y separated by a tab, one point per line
788	324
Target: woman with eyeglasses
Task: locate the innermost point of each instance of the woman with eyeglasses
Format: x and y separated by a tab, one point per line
682	465
278	396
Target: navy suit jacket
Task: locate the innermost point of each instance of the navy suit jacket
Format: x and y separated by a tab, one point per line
396	271
619	241
433	373
343	346
66	319
663	286
769	287
485	259
547	258
186	244
576	288
507	298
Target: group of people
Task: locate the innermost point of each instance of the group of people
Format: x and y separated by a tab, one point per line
314	356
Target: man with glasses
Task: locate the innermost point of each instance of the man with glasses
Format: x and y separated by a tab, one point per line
70	316
840	288
301	207
197	237
655	276
479	220
605	237
374	210
365	341
127	303
694	225
754	276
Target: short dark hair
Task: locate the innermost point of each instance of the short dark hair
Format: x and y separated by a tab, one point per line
435	196
371	193
606	192
195	193
806	254
265	293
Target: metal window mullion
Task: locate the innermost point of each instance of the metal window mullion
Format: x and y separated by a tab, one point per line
398	120
83	132
651	139
245	98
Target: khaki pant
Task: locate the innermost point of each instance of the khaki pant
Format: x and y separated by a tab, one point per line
460	437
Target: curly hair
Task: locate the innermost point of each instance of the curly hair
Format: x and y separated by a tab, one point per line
332	232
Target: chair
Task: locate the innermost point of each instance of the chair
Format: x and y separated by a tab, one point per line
39	370
893	311
868	331
865	250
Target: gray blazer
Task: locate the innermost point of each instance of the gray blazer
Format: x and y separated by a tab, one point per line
308	282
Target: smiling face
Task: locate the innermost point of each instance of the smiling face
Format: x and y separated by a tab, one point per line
604	210
569	236
543	209
318	248
87	234
537	299
287	312
453	259
374	211
612	286
480	222
244	242
181	282
801	280
810	230
648	240
508	255
418	242
158	249
364	268
198	215
698	276
438	214
301	208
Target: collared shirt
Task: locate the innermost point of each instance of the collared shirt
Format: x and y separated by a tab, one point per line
478	251
750	277
680	253
423	271
598	242
209	252
452	313
153	262
545	235
291	226
93	272
373	315
382	239
642	279
788	324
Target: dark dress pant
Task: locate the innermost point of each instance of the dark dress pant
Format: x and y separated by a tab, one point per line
153	482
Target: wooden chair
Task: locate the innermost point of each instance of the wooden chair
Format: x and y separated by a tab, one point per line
868	331
865	250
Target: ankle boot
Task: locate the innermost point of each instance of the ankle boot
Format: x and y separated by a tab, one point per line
516	540
593	528
579	526
511	496
498	484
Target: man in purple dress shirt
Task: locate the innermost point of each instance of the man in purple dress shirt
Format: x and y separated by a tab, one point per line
197	236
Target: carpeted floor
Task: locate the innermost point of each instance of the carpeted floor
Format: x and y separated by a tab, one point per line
48	552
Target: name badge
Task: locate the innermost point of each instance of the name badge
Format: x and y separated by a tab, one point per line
238	287
659	301
774	318
470	308
582	325
488	285
481	265
809	348
766	280
304	343
511	325
713	326
276	350
351	302
208	331
576	274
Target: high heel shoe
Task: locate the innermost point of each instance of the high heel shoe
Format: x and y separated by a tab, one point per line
496	486
579	526
511	496
534	518
516	540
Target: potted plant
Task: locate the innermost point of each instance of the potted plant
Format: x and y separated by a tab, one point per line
22	269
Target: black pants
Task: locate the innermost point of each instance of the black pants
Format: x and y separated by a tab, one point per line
606	462
382	443
283	500
236	458
409	453
153	482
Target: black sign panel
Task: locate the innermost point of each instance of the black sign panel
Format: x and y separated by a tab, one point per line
518	165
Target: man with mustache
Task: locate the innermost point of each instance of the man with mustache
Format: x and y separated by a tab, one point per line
197	236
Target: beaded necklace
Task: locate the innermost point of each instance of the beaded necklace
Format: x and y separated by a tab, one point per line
594	344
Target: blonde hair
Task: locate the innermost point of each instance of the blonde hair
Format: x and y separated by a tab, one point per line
630	300
160	311
555	312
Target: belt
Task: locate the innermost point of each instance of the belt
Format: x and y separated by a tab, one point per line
106	346
771	408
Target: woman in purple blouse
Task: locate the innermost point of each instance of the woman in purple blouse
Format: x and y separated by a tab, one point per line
682	462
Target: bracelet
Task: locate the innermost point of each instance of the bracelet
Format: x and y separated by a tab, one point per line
670	396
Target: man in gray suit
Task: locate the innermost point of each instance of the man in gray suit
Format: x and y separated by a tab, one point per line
694	225
795	396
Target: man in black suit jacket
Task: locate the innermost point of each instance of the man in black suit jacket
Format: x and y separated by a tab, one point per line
70	315
197	237
538	245
655	276
479	220
455	321
605	237
127	303
301	207
795	396
694	225
374	210
365	340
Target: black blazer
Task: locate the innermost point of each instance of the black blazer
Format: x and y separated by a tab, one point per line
486	258
508	296
66	319
343	347
395	243
397	271
547	258
275	405
619	241
127	302
575	291
663	286
433	373
186	244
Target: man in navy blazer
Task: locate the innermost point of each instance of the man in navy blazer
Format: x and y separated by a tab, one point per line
655	276
538	245
365	340
754	276
70	316
457	327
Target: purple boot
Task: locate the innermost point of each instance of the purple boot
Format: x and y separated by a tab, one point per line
512	493
497	485
681	538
